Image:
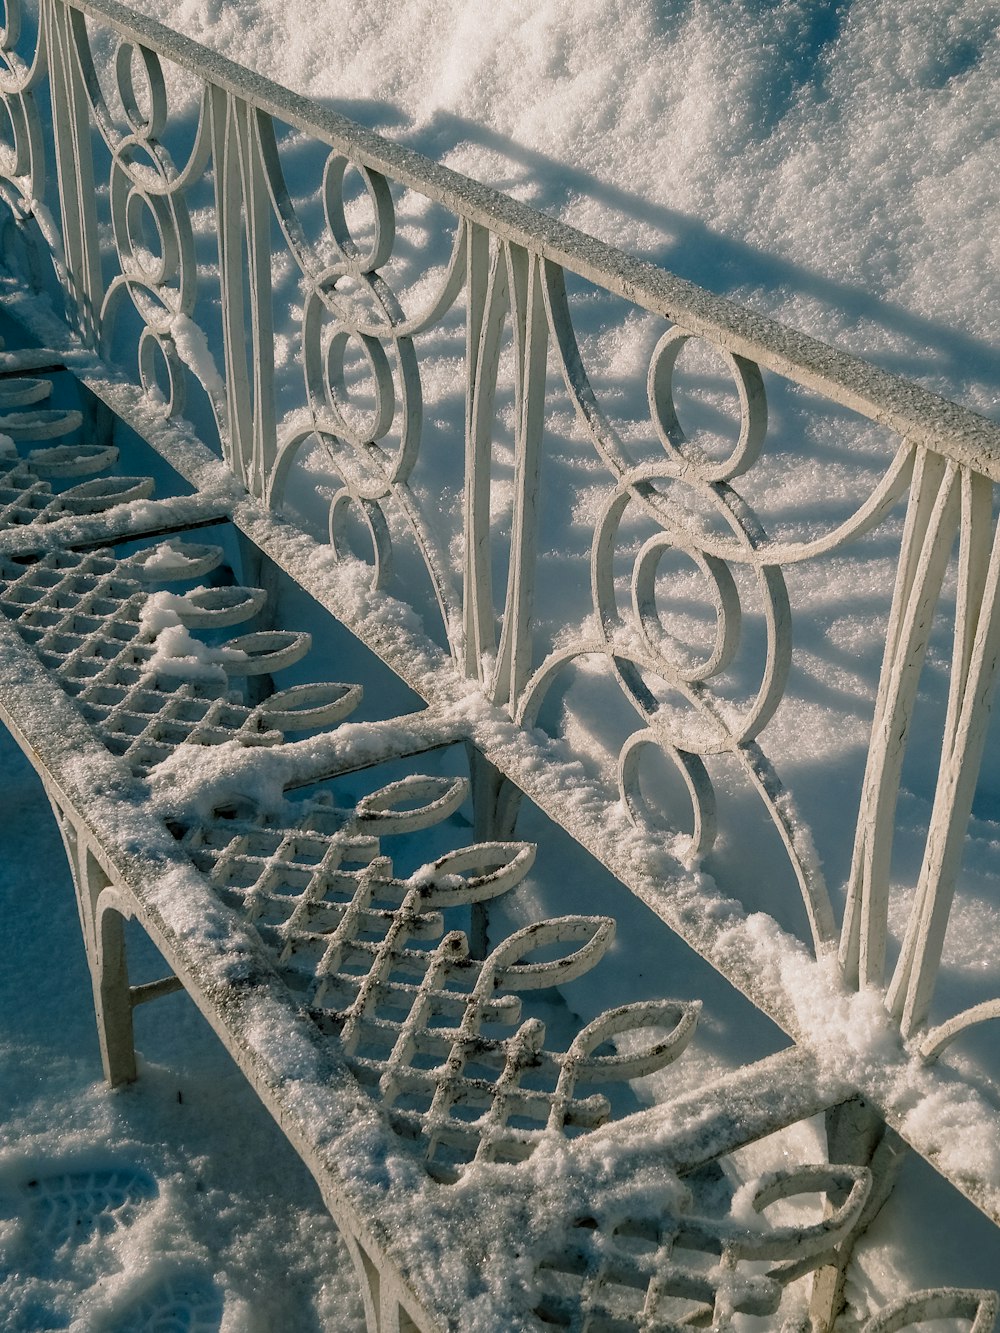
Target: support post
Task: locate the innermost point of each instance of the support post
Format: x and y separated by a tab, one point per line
856	1136
113	1001
258	570
495	803
104	941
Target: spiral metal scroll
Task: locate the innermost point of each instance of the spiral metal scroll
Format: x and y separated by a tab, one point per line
369	322
690	500
22	151
150	219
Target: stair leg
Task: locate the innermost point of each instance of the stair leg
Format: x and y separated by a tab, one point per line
855	1136
495	803
104	939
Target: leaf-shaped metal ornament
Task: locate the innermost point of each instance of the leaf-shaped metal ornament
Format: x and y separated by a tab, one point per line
411	804
218	607
504	968
303	706
978	1307
675	1021
92	497
175	560
796	1241
495	867
44	424
72	460
268	651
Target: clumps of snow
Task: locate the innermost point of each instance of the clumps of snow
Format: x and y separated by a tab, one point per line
176	651
950	1128
197	779
193	349
427	877
161	610
859	1045
165	558
850	1030
8	449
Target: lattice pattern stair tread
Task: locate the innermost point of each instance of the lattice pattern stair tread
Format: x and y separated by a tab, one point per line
139	676
27	496
436	1035
664	1269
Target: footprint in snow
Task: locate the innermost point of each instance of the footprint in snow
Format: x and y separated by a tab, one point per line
70	1208
187	1300
43	1223
48	1216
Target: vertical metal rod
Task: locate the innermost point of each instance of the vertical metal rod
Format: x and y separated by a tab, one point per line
75	173
493	817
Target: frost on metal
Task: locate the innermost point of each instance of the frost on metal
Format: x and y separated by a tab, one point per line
436	1035
26	493
665	1271
161	234
137	673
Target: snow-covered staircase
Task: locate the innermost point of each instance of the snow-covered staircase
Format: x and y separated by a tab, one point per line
478	1180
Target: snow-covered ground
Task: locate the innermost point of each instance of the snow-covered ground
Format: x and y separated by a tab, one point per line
835	164
175	1199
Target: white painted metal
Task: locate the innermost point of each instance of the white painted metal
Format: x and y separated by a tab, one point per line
321	910
507	277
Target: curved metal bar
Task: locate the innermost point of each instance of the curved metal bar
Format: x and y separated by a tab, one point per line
934	1043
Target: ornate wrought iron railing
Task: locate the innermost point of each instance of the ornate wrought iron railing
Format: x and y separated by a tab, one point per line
170	202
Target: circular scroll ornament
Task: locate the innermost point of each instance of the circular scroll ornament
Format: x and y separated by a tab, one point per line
357	260
752	403
157	353
143	126
373	519
638	656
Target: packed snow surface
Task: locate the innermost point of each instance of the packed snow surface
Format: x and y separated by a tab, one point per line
835	163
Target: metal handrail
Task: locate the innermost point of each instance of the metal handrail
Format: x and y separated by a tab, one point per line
923	417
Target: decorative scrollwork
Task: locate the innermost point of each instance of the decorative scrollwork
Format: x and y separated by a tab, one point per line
352	318
698	517
151	221
22	153
752	402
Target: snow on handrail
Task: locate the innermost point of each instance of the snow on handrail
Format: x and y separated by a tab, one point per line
922	416
168	264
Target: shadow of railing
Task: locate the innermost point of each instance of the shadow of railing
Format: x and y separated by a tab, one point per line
946	359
